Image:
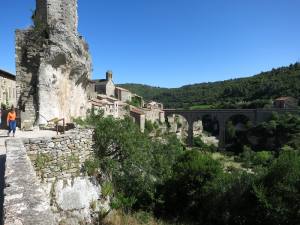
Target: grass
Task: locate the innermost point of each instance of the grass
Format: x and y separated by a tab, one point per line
228	162
201	107
118	217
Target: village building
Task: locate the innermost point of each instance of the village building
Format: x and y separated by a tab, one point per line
285	102
109	105
119	102
7	88
123	109
123	94
138	116
105	86
154	112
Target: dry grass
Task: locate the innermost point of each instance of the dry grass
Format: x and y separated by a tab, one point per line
121	218
227	161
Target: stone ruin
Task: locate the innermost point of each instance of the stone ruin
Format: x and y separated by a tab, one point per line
53	65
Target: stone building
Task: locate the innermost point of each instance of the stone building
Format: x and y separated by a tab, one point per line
105	86
123	94
109	105
154	112
53	65
138	116
285	102
123	109
7	88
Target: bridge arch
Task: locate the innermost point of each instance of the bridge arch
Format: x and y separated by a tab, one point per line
235	128
208	124
179	124
223	115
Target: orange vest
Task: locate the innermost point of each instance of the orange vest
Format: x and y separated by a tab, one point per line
11	116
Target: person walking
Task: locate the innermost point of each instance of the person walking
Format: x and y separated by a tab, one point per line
11	121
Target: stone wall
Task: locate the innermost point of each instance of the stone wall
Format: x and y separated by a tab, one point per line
58	161
154	115
60	157
46	183
25	202
7	88
58	13
139	119
27	58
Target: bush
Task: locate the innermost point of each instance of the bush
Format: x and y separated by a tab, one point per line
263	158
149	126
198	143
188	192
91	167
4	106
273	197
274	134
278	191
120	201
135	162
250	158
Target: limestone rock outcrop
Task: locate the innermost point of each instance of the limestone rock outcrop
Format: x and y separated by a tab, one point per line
53	65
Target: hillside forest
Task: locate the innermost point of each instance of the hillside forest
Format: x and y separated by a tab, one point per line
252	92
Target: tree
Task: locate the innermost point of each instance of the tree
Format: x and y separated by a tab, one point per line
187	193
135	163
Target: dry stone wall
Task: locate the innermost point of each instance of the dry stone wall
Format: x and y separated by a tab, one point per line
46	184
60	157
25	202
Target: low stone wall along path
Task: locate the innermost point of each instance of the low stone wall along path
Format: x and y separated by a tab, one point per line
23	199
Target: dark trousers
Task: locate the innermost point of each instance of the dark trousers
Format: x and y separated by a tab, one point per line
12	126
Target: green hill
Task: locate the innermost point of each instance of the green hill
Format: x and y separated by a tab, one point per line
250	92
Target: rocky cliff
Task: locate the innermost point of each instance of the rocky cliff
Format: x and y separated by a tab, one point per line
53	65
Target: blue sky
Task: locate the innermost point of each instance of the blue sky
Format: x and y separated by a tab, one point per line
170	43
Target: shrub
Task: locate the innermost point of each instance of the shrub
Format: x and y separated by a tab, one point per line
91	167
263	158
120	201
107	189
187	193
198	143
271	197
135	162
149	126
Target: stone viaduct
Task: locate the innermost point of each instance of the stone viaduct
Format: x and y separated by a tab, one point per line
256	116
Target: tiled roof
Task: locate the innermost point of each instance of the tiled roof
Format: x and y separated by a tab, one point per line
101	96
284	98
122	89
100	81
137	110
7	75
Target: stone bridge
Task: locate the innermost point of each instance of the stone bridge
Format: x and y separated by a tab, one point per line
256	116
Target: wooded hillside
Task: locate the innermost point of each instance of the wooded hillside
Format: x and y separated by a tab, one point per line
248	92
